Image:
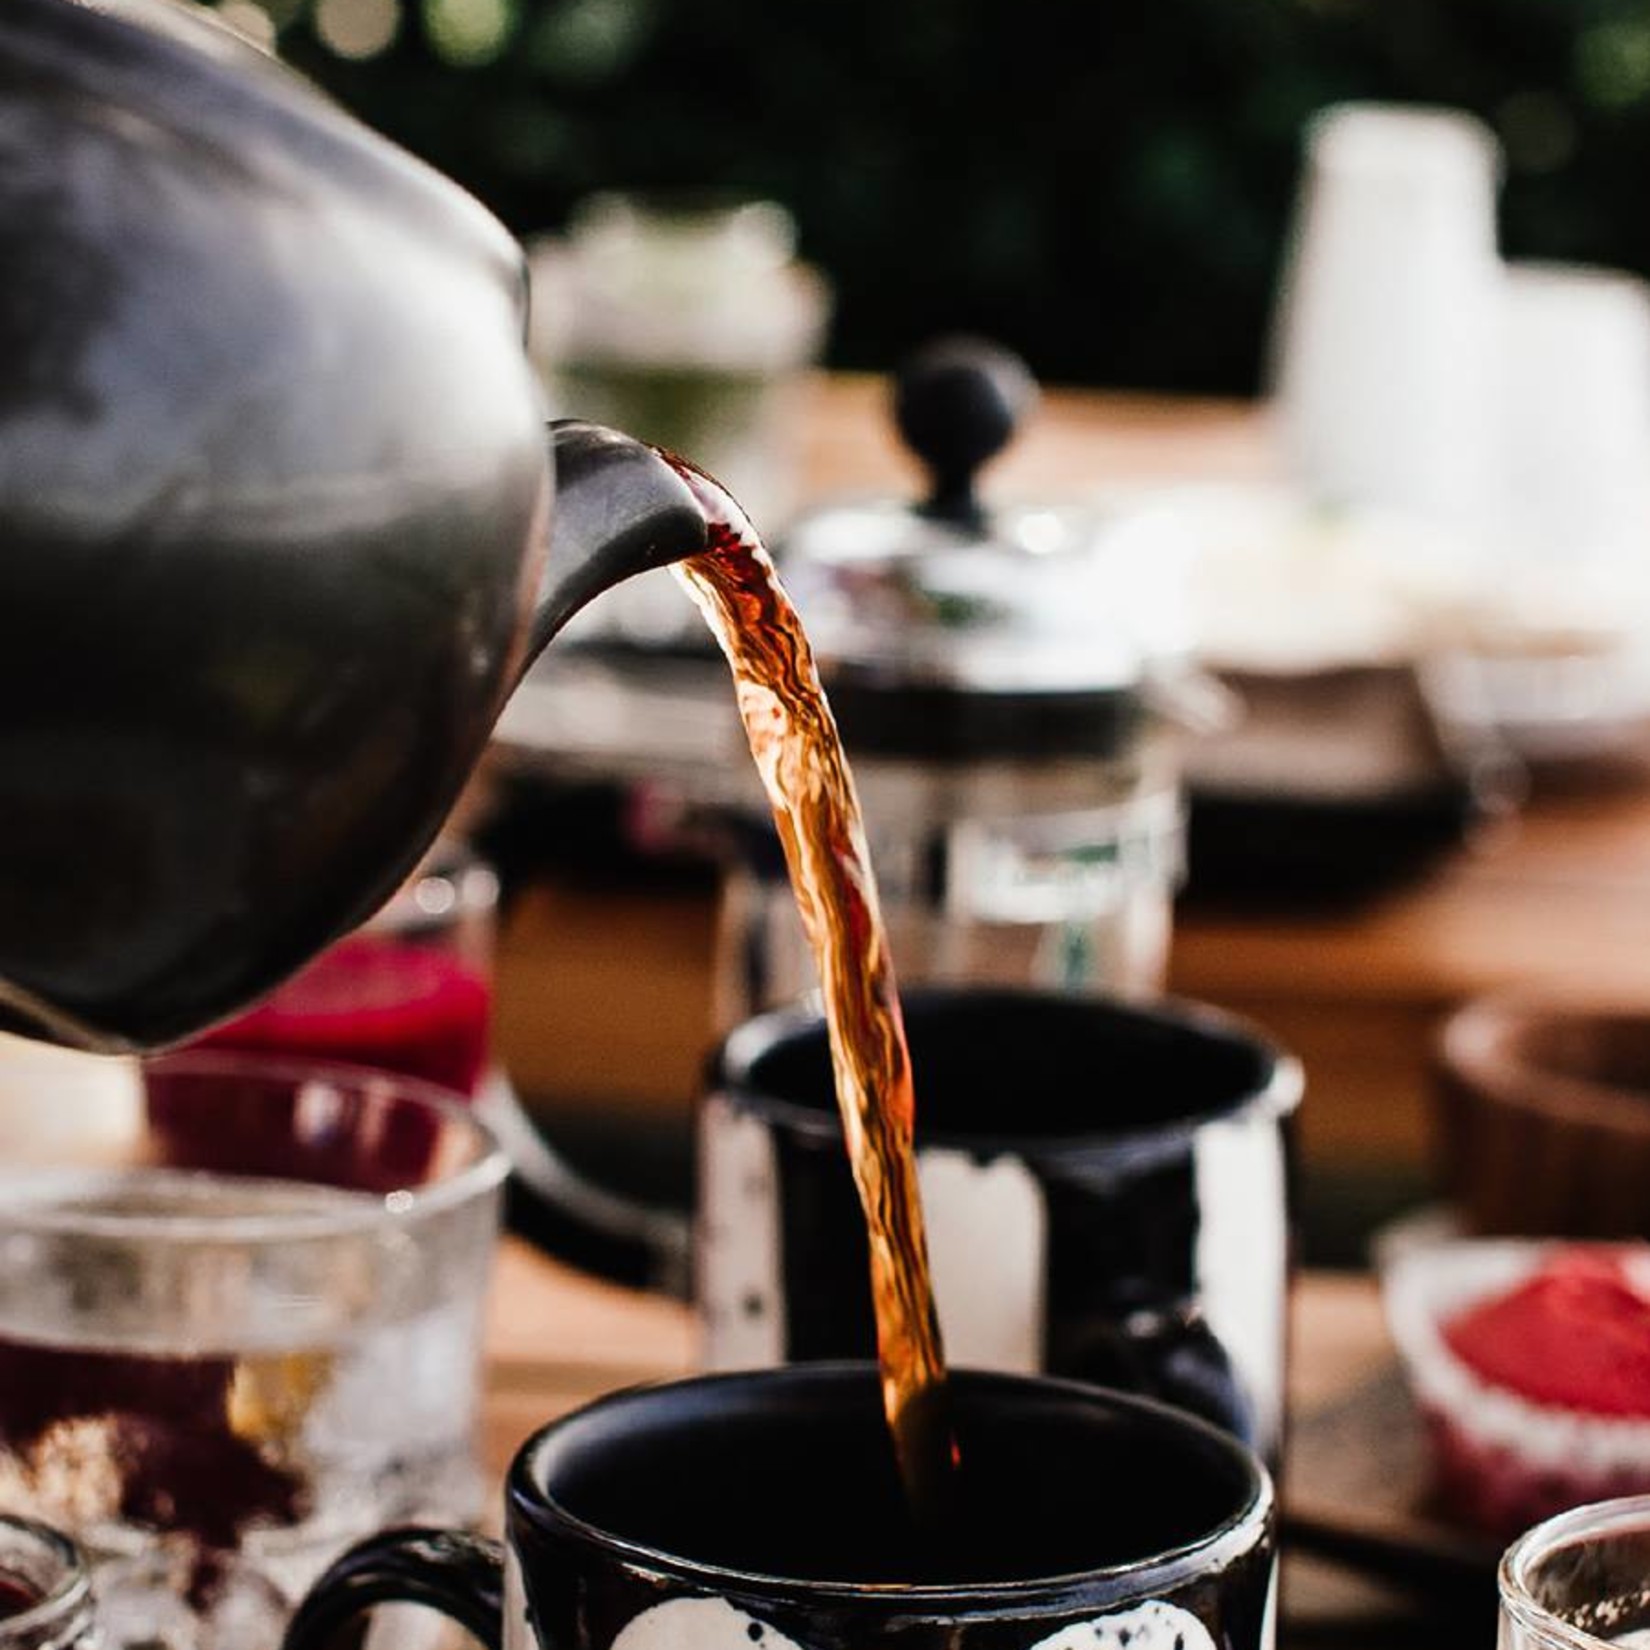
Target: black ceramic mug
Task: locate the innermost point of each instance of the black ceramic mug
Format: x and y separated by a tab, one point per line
762	1509
1105	1189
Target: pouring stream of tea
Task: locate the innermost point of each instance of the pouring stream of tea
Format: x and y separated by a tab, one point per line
794	739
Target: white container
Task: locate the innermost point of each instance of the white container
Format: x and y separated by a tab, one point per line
689	322
1387	313
1575	407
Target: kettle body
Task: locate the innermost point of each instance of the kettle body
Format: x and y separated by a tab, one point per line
275	497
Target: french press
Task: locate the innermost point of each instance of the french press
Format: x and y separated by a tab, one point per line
1004	677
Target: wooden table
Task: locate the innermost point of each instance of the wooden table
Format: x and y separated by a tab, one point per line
556	1339
1559	900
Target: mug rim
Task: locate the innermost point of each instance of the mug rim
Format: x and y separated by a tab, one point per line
400	1208
1277	1096
1594	1518
1158	1573
70	1593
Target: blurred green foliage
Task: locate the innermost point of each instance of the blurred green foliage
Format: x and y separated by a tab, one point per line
1104	187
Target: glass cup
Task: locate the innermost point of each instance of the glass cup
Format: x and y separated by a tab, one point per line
410	991
240	1317
47	1601
1580	1581
687	318
45	1591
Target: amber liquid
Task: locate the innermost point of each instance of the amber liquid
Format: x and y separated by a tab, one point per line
793	738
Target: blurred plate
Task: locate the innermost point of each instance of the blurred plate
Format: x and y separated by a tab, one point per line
1334	786
1355	1491
1562	700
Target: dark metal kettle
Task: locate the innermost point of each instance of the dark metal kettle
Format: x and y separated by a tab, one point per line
274	509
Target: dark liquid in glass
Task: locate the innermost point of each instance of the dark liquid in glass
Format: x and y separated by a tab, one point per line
180	1444
15	1597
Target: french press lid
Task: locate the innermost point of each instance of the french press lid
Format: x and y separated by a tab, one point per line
950	629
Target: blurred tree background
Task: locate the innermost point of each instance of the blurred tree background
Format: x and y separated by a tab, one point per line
1104	188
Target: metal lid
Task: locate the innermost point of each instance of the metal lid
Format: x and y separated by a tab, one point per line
947	627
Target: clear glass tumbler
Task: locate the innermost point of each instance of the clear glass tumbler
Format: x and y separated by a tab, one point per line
410	991
45	1591
1580	1581
240	1318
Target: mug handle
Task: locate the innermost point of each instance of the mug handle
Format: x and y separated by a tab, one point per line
459	1576
573	1219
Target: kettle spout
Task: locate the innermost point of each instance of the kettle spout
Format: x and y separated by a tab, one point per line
621	509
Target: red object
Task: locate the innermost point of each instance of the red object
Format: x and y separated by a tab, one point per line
15	1598
375	1001
1501	1493
1575	1334
182	1465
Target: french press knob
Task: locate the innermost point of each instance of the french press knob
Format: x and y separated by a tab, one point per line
957	404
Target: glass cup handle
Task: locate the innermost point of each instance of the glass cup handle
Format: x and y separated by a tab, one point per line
575	1220
457	1575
